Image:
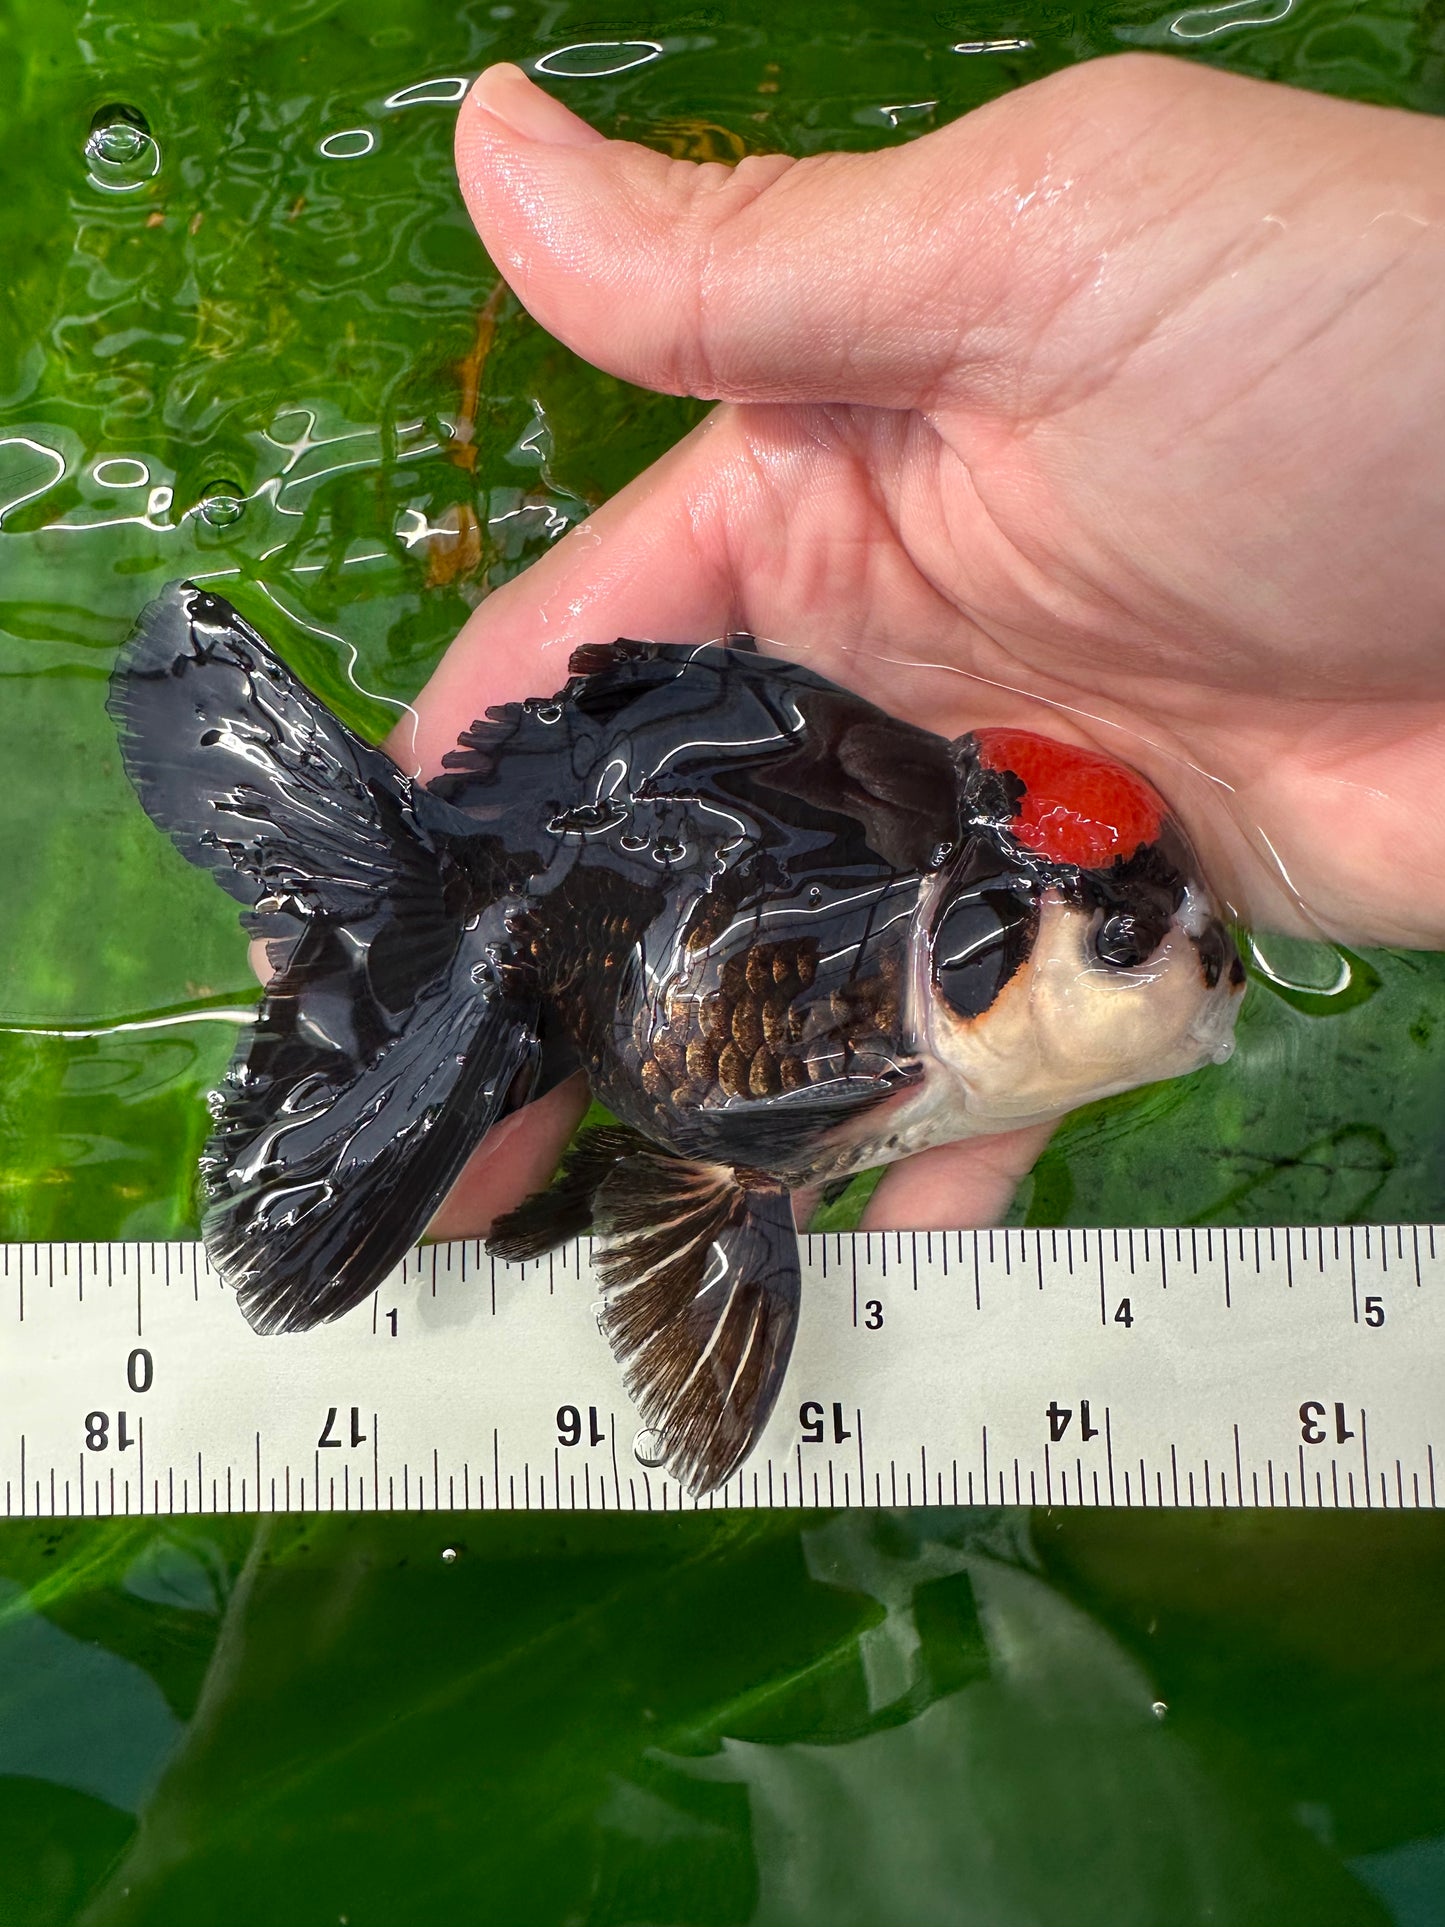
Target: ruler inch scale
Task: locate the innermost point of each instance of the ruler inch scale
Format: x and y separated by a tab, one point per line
1300	1367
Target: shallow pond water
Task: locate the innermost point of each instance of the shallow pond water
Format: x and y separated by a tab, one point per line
246	314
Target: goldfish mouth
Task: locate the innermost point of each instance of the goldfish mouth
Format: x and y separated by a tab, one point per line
1222	968
1219	959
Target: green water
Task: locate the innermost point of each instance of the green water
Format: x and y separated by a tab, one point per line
981	1718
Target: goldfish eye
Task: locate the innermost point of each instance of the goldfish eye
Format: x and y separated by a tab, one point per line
1127	939
1119	942
978	943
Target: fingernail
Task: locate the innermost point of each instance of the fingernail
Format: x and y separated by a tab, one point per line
507	95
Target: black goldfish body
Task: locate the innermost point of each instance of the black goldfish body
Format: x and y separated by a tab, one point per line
785	935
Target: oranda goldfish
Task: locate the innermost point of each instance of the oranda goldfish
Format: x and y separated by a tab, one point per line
785	935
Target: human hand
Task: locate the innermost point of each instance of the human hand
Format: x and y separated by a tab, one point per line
1114	409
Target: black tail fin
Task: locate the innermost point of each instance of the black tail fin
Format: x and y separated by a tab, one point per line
398	1029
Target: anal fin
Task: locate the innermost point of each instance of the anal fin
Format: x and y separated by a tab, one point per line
566	1209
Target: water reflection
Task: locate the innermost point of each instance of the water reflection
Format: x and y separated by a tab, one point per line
17	470
351	658
213	1012
121	471
349	144
913	110
425	92
1207	23
597	59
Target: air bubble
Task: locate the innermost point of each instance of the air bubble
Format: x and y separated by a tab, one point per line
1159	1708
449	1555
120	150
223	504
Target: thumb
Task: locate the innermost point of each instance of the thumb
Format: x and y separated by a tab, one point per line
843	277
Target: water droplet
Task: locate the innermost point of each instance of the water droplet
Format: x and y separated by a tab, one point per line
939	855
1319	979
667	849
120	150
1159	1709
223	504
549	713
449	1555
647	1449
815	897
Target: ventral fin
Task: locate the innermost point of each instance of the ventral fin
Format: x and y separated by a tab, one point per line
701	1288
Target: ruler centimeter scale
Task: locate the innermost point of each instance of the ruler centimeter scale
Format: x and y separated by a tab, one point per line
1301	1367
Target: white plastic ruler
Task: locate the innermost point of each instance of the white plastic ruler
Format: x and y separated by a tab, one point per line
1123	1368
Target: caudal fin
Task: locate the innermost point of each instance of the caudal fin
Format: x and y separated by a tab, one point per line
398	1028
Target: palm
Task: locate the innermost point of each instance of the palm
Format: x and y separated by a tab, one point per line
967	588
1136	446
